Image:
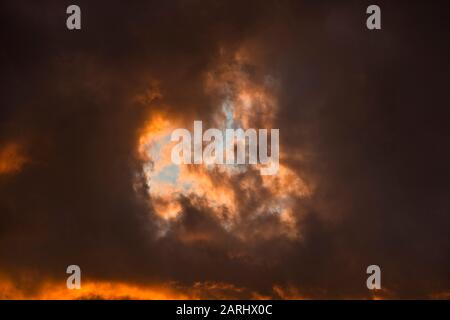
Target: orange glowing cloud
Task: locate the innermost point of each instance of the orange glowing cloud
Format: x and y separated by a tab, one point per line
12	158
223	190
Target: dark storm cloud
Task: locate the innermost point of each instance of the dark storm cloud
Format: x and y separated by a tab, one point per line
366	109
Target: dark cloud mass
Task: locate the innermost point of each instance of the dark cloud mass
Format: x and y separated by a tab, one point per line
363	126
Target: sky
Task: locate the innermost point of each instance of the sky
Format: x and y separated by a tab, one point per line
86	176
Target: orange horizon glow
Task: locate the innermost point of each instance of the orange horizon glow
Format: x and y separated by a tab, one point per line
117	290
